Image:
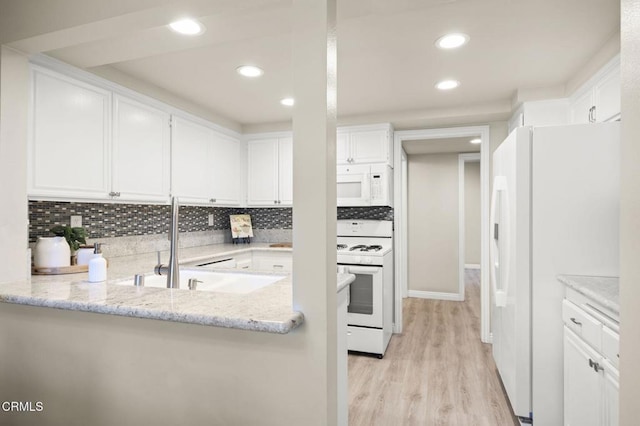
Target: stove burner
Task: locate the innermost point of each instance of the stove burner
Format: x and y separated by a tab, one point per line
359	247
374	248
342	246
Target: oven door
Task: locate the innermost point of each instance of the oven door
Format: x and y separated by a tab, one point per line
365	296
353	186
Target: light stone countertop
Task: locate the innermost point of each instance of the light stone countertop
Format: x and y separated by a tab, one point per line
603	290
268	309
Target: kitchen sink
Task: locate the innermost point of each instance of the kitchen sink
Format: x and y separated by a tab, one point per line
225	282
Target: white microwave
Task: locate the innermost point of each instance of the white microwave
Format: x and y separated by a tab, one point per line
364	185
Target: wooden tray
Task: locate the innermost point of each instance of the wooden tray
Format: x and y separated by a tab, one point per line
73	269
283	245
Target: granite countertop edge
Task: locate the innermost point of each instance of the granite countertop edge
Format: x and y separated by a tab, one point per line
602	290
267	310
283	326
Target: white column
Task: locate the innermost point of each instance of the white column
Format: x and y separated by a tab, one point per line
630	214
14	95
314	194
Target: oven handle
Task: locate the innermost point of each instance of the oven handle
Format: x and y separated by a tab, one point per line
369	270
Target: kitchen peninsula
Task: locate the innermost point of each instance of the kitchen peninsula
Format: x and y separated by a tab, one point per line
134	359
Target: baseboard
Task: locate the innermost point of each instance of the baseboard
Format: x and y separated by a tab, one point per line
471	266
435	295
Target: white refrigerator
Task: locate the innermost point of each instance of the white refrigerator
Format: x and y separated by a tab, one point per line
554	210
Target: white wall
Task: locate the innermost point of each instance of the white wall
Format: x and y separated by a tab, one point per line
14	91
630	215
433	223
472	244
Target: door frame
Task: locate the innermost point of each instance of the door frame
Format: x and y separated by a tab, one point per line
401	232
462	160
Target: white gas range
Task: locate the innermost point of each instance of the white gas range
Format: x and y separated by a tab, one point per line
365	249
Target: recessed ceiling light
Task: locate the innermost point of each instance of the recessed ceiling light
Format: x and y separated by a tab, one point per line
287	101
187	27
452	41
447	84
249	71
475	141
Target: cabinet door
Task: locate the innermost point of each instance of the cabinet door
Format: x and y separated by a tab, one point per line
225	170
69	143
190	161
285	171
580	106
607	97
369	146
343	155
611	394
140	151
582	384
262	161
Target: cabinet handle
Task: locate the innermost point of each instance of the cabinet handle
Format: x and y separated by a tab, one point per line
114	194
275	201
593	116
212	200
596	367
573	320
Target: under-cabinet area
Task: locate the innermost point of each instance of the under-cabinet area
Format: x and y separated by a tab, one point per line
591	351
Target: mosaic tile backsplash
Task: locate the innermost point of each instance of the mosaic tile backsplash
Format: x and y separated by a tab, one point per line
119	220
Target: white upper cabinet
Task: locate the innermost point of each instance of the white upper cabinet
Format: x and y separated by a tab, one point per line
285	170
270	171
69	138
205	164
225	170
190	145
365	144
598	100
140	152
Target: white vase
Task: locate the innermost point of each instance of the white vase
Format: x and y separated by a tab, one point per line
51	252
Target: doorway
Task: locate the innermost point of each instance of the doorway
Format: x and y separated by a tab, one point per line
401	215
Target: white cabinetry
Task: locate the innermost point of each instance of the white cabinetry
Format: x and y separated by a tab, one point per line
342	361
598	99
140	152
69	138
205	164
270	171
272	261
590	363
549	112
365	144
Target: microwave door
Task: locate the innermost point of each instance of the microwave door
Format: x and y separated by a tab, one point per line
353	190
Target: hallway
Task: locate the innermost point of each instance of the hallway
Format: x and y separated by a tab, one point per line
436	373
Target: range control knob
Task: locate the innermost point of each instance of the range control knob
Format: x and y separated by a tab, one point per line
358	259
367	261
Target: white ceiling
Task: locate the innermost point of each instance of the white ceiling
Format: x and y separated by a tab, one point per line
440	146
387	62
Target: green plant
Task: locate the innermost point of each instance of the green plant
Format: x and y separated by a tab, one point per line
74	236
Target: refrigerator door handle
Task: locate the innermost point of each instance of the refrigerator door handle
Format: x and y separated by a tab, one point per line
499	247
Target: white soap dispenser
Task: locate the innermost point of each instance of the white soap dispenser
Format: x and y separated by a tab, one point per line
97	265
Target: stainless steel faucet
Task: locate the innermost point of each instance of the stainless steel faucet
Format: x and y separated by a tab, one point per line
172	271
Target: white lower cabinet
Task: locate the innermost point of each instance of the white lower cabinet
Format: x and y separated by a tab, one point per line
272	261
590	377
582	384
342	361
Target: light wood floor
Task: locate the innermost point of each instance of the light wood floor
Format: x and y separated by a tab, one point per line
436	373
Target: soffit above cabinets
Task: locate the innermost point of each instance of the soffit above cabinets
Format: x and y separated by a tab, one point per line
387	61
